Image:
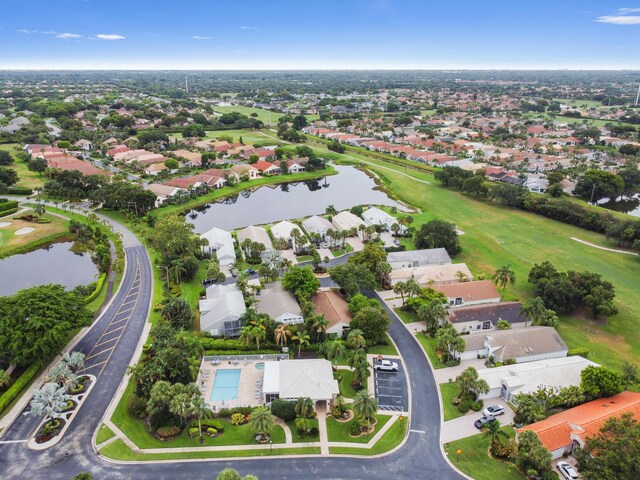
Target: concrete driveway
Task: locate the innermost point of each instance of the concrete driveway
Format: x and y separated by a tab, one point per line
463	427
444	374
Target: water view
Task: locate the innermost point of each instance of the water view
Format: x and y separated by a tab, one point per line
625	204
53	264
290	200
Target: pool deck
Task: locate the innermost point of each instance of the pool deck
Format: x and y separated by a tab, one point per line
249	376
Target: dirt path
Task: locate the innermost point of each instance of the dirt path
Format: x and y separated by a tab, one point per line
603	248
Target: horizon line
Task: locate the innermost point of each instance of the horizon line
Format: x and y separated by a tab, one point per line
442	69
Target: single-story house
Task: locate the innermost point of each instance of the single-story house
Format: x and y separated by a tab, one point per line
469	293
562	432
221	242
164	193
221	311
279	304
293	379
318	225
519	344
255	234
335	309
418	258
485	317
509	380
283	230
268	168
429	275
248	170
376	217
346	221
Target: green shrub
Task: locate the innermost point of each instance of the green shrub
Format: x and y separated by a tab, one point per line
464	406
11	211
14	390
314	431
69	406
210	353
96	291
193	432
224	412
50	427
283	409
212	431
507	449
582	351
168	432
8	205
19	191
137	407
238	419
354	427
209	423
222	344
477	405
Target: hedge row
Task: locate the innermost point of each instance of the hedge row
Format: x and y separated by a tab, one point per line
581	351
14	390
8	205
212	353
97	290
19	191
11	211
210	343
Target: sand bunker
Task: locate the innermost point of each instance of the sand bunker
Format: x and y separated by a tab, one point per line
24	230
4	224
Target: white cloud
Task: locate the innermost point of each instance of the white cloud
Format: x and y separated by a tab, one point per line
200	37
109	36
68	35
249	28
620	19
22	30
624	11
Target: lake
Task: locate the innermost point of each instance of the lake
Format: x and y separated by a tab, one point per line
53	264
272	203
625	204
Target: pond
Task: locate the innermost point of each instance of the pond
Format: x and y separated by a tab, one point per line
55	263
272	203
629	204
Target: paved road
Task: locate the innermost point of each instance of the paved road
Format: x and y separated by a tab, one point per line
420	457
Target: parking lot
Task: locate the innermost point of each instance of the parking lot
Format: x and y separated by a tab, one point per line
391	389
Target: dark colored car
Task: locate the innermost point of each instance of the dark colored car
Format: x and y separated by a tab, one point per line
481	422
249	271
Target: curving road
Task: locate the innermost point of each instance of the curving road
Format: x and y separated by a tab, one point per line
109	346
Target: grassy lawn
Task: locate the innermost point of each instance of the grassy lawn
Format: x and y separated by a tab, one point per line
26	178
346	390
389	441
406	317
496	235
43	234
475	462
429	345
388	349
267	116
339	431
118	450
341	251
136	431
249	137
449	391
104	434
306	438
572	102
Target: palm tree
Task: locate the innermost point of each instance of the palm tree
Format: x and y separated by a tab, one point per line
281	333
39	209
261	421
383	269
5	378
295	238
356	357
400	288
355	339
303	424
533	310
302	338
75	360
304	407
335	349
413	288
449	341
361	371
180	405
503	276
49	401
62	375
199	409
364	406
319	324
469	382
461	276
493	431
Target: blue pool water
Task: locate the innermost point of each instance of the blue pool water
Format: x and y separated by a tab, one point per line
225	385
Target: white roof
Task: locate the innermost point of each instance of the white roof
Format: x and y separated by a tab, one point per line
255	234
301	378
317	224
435	273
527	377
222	242
223	303
427	256
346	221
375	216
284	229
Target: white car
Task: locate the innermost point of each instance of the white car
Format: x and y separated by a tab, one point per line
493	410
567	471
386	366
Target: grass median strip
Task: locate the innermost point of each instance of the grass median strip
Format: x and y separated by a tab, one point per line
390	440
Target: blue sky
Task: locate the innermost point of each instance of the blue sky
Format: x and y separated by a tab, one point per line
263	34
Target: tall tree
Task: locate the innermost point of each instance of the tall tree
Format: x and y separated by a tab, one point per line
504	276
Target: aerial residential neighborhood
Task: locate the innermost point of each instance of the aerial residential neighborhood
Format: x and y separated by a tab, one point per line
281	240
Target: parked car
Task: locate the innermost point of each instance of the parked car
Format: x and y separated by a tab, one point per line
484	420
249	271
567	471
493	410
385	366
324	245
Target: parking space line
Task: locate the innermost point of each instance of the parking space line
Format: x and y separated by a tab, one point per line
95	365
99	353
106	341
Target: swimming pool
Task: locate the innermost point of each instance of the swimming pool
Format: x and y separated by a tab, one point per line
260	366
225	385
